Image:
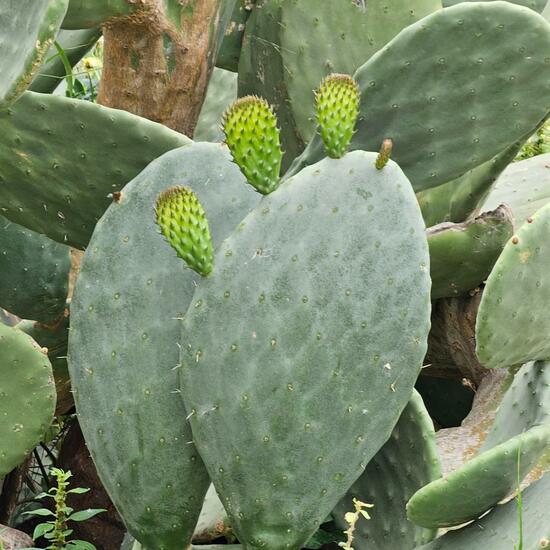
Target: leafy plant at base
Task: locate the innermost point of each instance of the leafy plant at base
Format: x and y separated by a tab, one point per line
57	530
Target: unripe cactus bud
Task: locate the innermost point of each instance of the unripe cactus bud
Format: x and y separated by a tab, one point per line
337	102
251	133
182	221
385	154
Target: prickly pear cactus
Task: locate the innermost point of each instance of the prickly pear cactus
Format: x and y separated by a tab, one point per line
27	396
28	31
288	353
123	347
406	462
426	71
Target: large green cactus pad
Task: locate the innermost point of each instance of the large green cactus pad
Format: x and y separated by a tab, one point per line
86	14
124	344
463	254
488	58
60	158
499	530
313	320
512	322
525	404
75	44
475	487
537	5
524	187
35	273
408	461
290	46
27	30
27	396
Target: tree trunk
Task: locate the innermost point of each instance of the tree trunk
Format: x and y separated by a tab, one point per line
158	60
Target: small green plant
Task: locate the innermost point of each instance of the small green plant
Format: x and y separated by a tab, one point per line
352	518
57	530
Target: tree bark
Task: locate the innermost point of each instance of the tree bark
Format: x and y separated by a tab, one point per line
158	60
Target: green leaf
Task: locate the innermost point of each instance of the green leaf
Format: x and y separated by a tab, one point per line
80	545
78	490
83	515
41	529
40	512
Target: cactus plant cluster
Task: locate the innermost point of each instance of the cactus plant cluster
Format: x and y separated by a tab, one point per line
275	328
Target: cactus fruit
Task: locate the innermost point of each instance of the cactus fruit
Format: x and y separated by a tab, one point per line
524	187
123	345
289	47
28	31
384	154
84	151
427	70
337	105
252	135
406	462
75	44
463	254
512	326
482	482
182	221
283	405
27	396
35	273
499	530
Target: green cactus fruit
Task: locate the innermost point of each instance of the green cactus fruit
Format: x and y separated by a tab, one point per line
478	485
464	197
35	273
230	49
283	407
463	254
221	93
408	461
123	345
499	530
86	14
537	5
27	396
413	80
337	105
524	187
252	135
384	154
525	404
285	40
512	322
28	30
84	151
76	45
182	221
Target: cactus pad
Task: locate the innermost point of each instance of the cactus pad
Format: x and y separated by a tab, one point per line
337	104
84	151
251	133
86	14
27	396
35	273
408	461
28	30
512	322
123	345
288	354
463	254
182	221
499	529
524	186
478	485
490	58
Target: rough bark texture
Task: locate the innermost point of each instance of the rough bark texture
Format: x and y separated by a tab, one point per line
106	530
451	344
10	489
157	63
